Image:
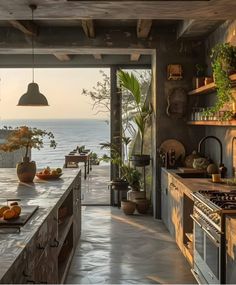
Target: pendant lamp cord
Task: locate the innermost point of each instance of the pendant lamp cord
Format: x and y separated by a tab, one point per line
32	7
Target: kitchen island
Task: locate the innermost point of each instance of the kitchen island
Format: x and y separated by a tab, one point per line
41	250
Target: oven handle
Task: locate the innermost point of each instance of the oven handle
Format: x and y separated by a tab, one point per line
216	242
206	231
196	276
196	221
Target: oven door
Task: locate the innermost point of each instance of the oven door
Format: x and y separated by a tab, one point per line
206	255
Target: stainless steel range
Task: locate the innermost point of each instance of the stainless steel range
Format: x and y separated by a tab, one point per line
209	212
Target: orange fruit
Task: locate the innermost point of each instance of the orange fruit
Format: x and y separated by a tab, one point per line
8	214
3	209
17	210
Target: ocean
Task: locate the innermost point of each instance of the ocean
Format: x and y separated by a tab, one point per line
68	134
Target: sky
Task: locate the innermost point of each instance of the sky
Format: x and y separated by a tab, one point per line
62	88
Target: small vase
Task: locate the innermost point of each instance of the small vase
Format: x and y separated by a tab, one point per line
26	170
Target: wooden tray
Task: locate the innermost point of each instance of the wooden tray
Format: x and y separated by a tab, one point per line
26	214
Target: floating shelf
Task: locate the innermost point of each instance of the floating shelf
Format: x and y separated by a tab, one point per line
209	88
231	123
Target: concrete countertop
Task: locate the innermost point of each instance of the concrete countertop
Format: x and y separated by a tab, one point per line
45	194
196	184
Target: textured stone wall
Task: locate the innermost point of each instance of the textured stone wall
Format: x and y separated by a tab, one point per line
9	159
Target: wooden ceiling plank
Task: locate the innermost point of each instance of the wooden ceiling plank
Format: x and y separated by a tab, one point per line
135	56
88	27
26	27
143	28
62	57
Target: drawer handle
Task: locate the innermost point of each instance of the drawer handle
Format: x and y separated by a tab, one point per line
55	243
39	246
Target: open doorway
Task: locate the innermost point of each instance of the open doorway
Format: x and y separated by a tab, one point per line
70	117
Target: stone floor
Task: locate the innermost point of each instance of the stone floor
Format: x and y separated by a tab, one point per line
119	249
95	187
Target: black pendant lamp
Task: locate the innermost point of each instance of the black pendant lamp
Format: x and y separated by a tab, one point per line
33	97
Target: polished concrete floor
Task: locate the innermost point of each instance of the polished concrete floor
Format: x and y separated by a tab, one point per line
95	188
119	249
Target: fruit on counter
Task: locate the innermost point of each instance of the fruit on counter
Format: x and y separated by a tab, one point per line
49	171
212	169
8	214
59	170
3	209
46	171
17	210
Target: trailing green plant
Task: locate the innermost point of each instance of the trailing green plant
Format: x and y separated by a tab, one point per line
143	111
223	62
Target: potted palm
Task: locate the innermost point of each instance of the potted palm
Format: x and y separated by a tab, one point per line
28	138
119	182
142	114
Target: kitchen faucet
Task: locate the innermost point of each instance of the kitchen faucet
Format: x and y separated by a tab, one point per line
220	144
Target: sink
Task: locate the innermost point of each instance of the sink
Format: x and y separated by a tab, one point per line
192	175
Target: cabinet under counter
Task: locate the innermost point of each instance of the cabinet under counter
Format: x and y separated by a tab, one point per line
43	248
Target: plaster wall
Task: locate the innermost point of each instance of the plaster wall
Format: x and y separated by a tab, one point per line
186	53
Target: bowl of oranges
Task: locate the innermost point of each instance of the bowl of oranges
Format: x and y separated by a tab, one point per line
49	173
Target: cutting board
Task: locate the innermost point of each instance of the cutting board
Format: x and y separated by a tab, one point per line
26	214
191	170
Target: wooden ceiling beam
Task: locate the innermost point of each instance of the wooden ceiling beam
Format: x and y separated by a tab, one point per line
135	56
88	27
26	27
196	28
143	28
62	57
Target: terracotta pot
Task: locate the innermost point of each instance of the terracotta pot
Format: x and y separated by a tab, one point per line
142	205
140	160
133	195
128	207
26	170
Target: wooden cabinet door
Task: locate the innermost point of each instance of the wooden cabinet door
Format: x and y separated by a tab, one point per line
164	198
230	249
175	206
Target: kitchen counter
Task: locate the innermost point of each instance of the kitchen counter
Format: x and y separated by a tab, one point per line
195	184
45	194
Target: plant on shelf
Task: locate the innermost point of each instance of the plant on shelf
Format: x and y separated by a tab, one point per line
223	57
26	138
142	113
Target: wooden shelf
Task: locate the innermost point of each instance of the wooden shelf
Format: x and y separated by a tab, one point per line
209	88
63	230
231	123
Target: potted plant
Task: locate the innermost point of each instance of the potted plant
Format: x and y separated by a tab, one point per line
28	138
119	182
223	57
142	114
